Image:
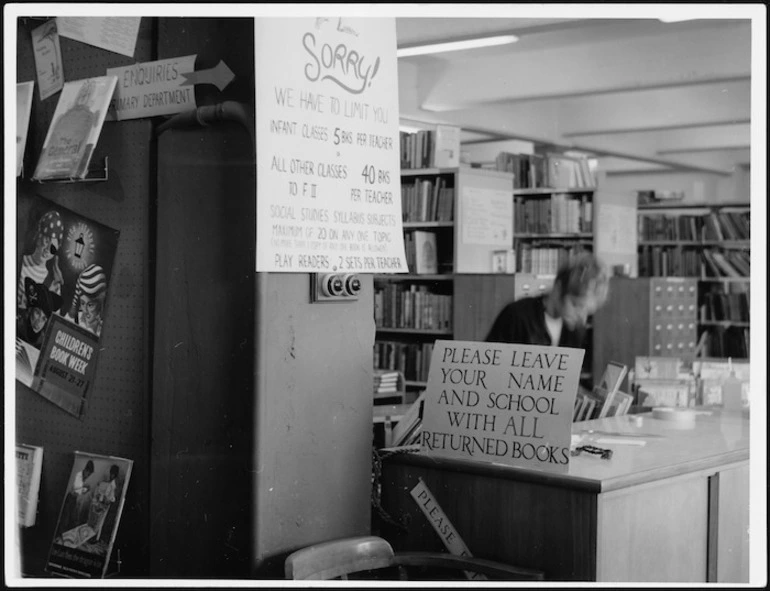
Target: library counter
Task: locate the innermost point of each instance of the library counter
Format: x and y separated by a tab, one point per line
672	510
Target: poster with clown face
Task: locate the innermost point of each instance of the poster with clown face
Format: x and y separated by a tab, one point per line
65	267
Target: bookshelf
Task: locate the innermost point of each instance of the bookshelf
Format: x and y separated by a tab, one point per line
414	309
711	244
551	226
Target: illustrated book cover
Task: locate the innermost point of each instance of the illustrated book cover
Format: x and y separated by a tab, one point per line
89	516
24	92
75	128
426	255
64	274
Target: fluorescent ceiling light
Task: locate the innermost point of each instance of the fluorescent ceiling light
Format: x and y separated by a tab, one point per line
456	45
677	19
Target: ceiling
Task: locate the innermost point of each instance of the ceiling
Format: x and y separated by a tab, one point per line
642	94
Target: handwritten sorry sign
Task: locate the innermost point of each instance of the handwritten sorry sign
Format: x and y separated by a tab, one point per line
328	175
509	404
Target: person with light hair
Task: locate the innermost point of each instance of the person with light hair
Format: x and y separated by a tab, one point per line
557	318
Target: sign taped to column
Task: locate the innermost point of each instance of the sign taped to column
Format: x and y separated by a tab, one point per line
328	169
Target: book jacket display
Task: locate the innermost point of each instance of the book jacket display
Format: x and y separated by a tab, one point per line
75	128
29	467
90	513
23	109
64	277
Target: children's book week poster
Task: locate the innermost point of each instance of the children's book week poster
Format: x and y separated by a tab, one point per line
61	302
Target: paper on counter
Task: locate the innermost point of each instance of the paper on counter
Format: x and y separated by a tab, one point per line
621	441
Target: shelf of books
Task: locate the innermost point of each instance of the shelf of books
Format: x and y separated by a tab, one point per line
710	242
551	226
414	309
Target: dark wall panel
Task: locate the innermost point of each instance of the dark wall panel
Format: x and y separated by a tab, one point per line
117	415
204	339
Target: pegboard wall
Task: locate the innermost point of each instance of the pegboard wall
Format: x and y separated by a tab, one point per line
116	418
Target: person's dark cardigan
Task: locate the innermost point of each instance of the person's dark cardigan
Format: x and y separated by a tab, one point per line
523	322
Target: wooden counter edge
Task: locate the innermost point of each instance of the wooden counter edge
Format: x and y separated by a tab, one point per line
566	480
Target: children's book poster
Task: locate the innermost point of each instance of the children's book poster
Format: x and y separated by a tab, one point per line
89	516
61	302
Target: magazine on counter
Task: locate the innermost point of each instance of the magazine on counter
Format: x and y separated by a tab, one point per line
75	128
90	513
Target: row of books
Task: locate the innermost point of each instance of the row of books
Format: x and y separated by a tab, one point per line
730	341
669	261
727	225
540	260
727	263
398	305
719	305
412	360
531	171
687	227
559	213
439	148
606	399
423	257
682	382
670	227
683	261
387	382
594	406
427	200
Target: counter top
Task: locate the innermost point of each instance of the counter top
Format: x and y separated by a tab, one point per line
717	438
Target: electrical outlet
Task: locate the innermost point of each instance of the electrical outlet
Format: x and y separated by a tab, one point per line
334	287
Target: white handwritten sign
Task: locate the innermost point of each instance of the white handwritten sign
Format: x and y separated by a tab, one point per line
113	33
328	187
48	60
487	216
153	88
503	403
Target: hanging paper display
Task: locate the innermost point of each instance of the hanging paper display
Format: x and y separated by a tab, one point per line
61	297
328	175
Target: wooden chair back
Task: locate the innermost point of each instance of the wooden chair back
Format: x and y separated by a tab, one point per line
348	556
339	558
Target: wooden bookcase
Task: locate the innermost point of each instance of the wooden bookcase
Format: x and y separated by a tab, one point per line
711	244
551	225
413	310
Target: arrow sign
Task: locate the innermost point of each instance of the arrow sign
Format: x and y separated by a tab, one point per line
150	89
220	76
